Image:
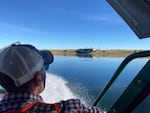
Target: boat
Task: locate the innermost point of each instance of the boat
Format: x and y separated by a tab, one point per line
85	51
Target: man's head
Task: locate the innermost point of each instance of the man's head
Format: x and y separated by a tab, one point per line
23	64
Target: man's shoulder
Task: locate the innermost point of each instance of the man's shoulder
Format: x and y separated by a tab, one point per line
70	103
62	102
64	105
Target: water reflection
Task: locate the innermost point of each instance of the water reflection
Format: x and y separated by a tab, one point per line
83	55
92	75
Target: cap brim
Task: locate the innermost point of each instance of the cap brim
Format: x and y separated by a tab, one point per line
47	56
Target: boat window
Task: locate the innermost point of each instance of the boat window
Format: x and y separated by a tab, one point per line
121	83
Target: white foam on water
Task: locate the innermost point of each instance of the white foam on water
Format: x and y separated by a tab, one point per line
56	89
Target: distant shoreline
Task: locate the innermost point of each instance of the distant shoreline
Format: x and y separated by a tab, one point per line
95	53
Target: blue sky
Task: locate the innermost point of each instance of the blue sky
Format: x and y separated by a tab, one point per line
66	24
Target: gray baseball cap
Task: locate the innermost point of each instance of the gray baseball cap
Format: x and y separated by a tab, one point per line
21	61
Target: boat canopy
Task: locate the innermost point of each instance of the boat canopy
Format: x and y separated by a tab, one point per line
136	13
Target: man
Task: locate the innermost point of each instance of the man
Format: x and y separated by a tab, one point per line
22	75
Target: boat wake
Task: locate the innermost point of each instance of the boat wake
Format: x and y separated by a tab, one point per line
56	89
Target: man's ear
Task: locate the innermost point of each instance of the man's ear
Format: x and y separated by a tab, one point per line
37	78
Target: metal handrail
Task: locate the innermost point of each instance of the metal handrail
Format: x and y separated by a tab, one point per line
117	73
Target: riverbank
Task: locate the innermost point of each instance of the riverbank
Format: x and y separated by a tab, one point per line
95	53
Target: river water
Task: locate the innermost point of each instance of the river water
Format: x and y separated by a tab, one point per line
85	77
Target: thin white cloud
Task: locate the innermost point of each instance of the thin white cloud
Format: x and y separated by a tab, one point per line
4	34
97	17
106	18
15	28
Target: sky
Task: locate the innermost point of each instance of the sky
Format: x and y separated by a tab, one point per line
66	24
